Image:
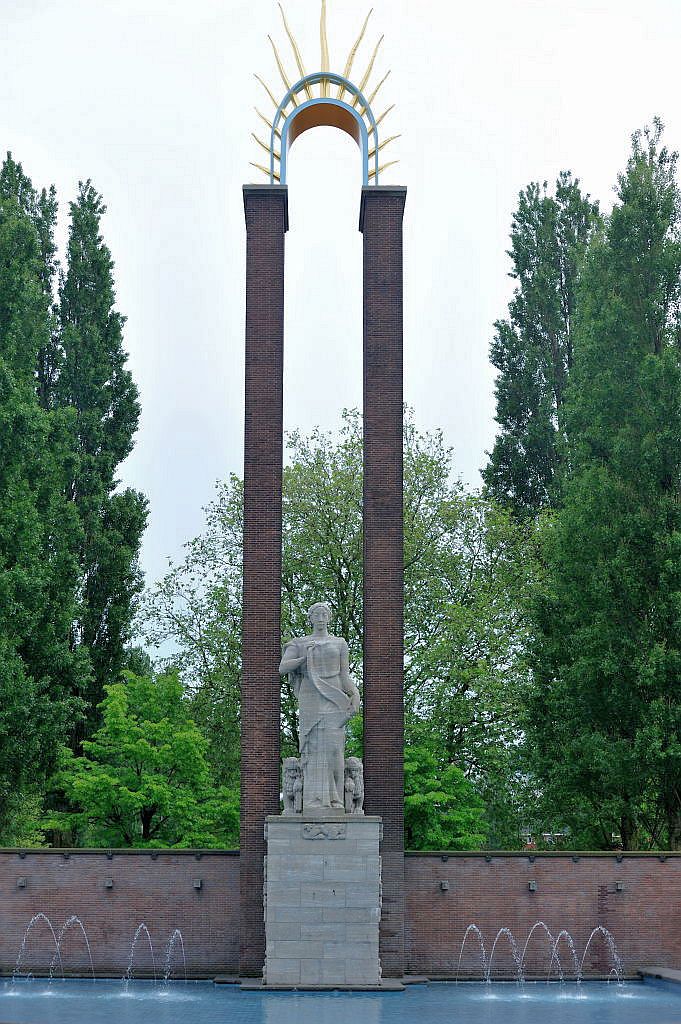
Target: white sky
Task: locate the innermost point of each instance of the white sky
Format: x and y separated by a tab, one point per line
153	100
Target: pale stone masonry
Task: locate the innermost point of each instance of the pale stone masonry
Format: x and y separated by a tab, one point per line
322	900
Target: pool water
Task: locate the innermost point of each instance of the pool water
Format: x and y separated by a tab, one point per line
107	1002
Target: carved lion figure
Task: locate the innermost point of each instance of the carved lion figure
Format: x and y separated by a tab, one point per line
354	786
292	786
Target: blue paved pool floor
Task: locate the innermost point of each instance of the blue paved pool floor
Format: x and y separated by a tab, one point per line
107	1002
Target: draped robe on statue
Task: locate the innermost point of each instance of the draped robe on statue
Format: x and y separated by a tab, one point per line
325	708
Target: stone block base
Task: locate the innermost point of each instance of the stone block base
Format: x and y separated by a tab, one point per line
322	901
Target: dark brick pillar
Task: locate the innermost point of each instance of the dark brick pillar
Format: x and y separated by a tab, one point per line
266	208
381	224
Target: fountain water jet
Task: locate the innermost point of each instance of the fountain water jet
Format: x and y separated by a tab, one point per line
552	947
483	951
174	938
573	952
31	923
616	959
127	977
68	923
514	950
578	966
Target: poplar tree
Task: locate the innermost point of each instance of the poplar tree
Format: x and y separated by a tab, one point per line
94	382
38	532
533	348
605	719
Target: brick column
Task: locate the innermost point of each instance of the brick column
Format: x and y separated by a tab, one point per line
381	224
266	208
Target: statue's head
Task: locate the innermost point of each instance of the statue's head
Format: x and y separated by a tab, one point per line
319	612
353	766
291	765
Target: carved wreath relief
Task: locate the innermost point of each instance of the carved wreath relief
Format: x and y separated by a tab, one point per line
324	830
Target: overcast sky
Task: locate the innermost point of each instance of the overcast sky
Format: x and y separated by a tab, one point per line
153	100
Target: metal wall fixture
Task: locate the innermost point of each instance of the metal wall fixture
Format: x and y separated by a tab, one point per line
444	885
532	885
619	886
198	883
21	882
108	883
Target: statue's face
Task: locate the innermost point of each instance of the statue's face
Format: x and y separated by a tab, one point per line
319	616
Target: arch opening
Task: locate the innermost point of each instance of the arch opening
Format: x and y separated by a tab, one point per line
356	120
328	113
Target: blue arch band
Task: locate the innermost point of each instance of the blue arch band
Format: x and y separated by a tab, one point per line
365	134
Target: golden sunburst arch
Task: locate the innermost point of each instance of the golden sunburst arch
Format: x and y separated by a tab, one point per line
328	98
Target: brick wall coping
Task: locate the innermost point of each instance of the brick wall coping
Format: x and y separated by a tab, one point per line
80	851
534	854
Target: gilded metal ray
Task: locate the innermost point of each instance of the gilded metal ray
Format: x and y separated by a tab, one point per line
353	53
265	170
384	114
284	77
268	123
374	94
268	91
367	74
296	52
324	41
263	145
372	152
383	167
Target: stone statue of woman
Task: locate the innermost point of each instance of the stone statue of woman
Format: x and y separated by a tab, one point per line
317	666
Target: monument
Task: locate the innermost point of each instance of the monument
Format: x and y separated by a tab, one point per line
337	793
317	666
322	903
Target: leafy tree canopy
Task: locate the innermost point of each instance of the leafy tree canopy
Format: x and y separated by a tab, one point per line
605	718
533	349
442	811
143	779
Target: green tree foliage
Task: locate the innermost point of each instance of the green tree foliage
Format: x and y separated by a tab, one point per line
94	382
38	572
441	808
143	779
464	559
68	539
534	349
605	719
195	610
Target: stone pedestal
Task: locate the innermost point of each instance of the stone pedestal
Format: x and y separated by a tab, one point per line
322	900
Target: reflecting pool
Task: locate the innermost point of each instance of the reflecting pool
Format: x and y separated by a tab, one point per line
109	1002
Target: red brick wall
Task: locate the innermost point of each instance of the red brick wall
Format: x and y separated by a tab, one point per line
159	891
573	893
381	225
266	209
